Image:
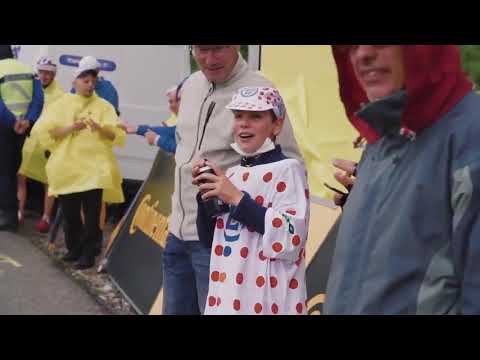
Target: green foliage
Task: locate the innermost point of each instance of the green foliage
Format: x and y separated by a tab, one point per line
471	61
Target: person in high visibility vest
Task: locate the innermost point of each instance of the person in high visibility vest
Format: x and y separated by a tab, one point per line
34	158
21	103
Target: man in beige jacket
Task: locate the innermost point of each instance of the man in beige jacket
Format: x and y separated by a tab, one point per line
204	131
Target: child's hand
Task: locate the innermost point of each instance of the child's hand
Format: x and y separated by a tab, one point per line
94	126
196	170
151	137
218	185
79	125
128	128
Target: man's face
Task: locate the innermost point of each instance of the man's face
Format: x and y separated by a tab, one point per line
216	61
85	85
46	77
379	69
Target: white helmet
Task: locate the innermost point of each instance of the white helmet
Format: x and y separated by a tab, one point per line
87	63
46	63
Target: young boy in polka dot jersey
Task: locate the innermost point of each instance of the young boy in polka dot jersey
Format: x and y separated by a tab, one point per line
258	249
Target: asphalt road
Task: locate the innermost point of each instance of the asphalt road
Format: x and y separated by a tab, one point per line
30	284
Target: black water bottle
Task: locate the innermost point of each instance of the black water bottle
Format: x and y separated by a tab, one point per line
214	207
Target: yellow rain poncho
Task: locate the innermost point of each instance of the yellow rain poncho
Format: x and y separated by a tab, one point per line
83	160
33	155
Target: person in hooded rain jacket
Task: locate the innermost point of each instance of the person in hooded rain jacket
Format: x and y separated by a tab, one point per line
409	237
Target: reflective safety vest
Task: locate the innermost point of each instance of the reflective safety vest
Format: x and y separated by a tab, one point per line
16	86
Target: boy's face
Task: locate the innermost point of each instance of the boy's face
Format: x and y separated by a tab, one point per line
173	103
85	85
46	77
252	128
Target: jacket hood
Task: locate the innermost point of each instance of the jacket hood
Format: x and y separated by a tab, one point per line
435	82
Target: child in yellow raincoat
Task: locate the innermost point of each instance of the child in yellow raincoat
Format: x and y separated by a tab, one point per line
34	158
80	131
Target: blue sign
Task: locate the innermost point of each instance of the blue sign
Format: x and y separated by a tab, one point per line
73	60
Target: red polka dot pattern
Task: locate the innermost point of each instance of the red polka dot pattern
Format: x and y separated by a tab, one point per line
261	256
215	276
244	252
299	308
219	250
277	247
281	187
260	281
258	308
268	177
259	200
296	240
239	279
220	224
277	222
293	284
274	308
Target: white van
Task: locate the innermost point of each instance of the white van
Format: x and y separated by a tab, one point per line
140	73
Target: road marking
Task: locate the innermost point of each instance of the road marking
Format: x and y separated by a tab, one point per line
8	260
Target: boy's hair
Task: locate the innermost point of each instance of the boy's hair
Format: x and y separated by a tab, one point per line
271	112
274	117
94	73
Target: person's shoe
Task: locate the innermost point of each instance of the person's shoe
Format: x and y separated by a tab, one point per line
43	226
85	263
71	257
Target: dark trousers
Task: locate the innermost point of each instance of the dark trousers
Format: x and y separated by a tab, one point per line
79	238
10	160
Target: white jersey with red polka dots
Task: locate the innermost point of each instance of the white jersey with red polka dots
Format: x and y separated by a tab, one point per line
254	274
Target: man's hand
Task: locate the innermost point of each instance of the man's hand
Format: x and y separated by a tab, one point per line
218	185
346	177
151	137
